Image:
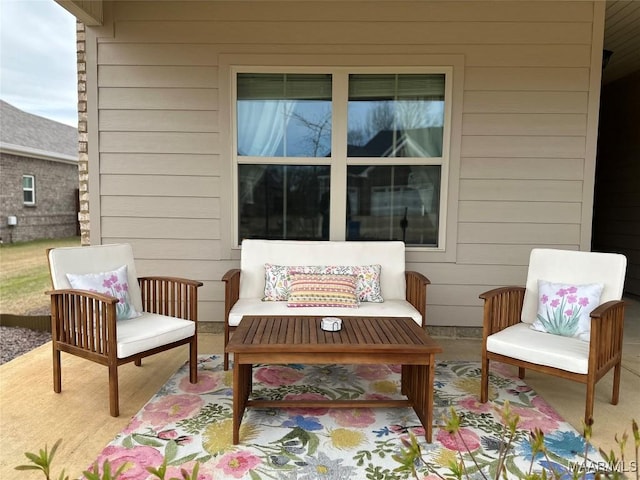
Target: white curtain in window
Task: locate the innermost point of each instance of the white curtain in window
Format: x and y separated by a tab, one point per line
261	126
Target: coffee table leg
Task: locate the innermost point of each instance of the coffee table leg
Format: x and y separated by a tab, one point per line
418	385
242	374
428	405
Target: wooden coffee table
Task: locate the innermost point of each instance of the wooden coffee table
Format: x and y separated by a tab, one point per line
362	340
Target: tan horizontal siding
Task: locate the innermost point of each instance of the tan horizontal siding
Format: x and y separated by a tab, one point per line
452	274
521	190
500	254
158	98
159	142
159	185
515	212
519	233
455	295
140	54
158	121
203	271
170	248
523	168
551	124
525	102
392	10
522	146
476	55
448	315
159	164
160	206
526	79
394	33
161	228
158	76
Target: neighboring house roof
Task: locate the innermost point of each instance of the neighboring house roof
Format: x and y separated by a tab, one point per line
22	133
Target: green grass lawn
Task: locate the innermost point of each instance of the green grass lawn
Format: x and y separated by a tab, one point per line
24	275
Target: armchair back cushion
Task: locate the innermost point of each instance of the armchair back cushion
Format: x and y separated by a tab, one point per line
256	253
572	267
97	259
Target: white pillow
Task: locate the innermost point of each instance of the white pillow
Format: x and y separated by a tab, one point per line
113	283
564	309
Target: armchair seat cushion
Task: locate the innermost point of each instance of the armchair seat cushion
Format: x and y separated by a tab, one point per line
255	306
149	331
521	342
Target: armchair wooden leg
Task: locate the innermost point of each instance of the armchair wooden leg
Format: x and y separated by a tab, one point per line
193	360
484	381
137	362
520	373
57	372
615	396
588	410
114	408
227	335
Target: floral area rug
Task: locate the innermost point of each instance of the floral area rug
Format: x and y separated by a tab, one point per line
187	423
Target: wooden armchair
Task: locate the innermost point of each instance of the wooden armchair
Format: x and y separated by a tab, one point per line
509	313
152	314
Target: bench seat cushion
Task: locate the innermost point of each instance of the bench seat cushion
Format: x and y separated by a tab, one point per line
389	308
521	342
149	331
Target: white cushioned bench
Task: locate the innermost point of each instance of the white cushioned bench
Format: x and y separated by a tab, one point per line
404	292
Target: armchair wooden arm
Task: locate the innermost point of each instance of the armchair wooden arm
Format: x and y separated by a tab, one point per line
502	308
83	323
171	296
417	292
605	344
231	281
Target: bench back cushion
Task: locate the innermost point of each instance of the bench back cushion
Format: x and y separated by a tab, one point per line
576	268
255	253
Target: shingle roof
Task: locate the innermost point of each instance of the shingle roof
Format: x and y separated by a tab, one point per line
26	130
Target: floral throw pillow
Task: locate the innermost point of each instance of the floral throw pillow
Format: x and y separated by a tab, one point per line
278	279
276	283
564	309
322	290
114	283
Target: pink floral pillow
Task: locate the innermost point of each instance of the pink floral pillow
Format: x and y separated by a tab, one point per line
277	283
114	283
564	309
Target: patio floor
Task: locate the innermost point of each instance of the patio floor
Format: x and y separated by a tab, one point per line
32	415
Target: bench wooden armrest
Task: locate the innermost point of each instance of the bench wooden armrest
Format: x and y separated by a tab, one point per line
417	292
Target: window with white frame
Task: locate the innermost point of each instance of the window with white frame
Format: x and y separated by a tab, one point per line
29	189
341	154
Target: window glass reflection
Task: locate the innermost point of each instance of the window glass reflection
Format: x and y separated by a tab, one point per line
284	115
284	201
393	115
394	203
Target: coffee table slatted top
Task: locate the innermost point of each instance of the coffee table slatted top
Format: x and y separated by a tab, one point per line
358	334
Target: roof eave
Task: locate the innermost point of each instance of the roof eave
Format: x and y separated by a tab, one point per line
88	12
22	151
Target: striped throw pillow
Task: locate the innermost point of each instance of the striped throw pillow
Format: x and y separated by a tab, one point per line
322	290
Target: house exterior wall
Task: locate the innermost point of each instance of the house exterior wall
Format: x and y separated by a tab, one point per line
54	213
522	154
